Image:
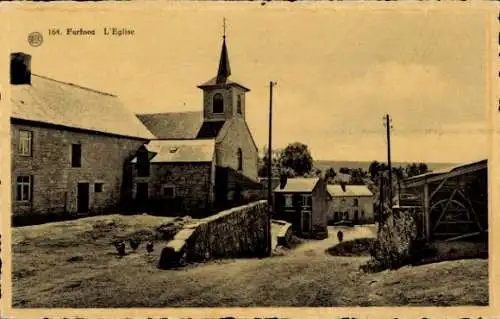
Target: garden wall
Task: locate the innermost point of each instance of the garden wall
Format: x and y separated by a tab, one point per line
237	232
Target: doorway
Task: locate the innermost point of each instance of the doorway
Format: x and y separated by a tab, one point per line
83	198
305	222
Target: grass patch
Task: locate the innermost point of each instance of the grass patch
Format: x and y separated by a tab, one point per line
356	247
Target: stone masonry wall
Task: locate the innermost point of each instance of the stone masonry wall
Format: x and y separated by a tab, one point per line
54	189
193	184
237	232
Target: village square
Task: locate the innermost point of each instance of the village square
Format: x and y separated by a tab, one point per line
114	208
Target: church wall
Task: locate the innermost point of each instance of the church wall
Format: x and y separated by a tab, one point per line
238	136
208	96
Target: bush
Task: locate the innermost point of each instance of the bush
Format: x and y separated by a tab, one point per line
396	243
356	247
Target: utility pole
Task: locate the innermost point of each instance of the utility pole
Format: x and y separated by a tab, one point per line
388	130
269	166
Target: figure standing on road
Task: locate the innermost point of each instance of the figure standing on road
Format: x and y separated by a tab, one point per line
340	236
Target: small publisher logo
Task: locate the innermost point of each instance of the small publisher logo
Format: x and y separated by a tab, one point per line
35	39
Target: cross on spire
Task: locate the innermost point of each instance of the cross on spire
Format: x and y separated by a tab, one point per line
224	27
224	69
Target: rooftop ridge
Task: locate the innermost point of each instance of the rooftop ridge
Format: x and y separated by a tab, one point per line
174	112
74	85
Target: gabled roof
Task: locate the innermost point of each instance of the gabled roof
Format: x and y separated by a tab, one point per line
440	174
65	104
350	190
178	151
181	125
210	129
175	125
298	185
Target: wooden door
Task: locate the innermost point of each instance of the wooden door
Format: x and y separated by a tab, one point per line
83	198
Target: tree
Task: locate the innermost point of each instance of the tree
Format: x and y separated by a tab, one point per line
374	169
263	161
296	156
345	170
357	177
330	175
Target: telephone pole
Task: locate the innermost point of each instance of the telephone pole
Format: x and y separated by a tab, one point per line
388	130
269	166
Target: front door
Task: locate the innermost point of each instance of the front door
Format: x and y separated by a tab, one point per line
305	222
142	196
83	198
356	217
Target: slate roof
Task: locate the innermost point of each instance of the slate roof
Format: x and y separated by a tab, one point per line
175	125
351	190
54	102
178	151
213	82
298	185
210	129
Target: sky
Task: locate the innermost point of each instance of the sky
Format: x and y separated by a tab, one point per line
339	70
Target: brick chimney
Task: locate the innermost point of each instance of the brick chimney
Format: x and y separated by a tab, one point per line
20	68
283	180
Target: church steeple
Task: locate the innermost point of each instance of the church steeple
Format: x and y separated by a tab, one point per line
223	98
224	69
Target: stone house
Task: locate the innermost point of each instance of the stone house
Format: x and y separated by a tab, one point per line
69	145
226	169
304	203
350	202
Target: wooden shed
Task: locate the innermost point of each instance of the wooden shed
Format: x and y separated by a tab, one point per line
453	203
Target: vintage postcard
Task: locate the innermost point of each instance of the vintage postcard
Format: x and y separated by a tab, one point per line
253	159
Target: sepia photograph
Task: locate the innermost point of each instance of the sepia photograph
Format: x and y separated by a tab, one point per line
254	155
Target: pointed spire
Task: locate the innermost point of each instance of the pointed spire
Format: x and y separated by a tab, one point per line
224	69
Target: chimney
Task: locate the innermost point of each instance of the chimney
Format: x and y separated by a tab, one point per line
283	180
20	68
343	186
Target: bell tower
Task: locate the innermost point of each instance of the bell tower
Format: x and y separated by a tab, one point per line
223	98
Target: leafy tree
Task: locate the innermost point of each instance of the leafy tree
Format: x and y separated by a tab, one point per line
357	176
263	161
374	169
296	156
344	170
330	175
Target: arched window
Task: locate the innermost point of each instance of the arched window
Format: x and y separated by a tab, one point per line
218	103
238	108
240	159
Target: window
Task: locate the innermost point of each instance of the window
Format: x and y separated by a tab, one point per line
218	103
355	202
346	215
98	187
25	143
288	200
76	155
240	159
306	200
169	192
238	106
23	188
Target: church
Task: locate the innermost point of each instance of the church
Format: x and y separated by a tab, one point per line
198	161
77	151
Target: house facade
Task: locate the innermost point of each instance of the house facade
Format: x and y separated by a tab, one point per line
350	203
69	147
304	203
229	167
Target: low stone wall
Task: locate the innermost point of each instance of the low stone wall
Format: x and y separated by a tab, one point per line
284	234
237	232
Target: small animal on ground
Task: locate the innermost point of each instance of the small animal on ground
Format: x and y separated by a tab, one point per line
134	243
149	247
340	235
120	248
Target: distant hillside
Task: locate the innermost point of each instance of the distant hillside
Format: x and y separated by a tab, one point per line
325	164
